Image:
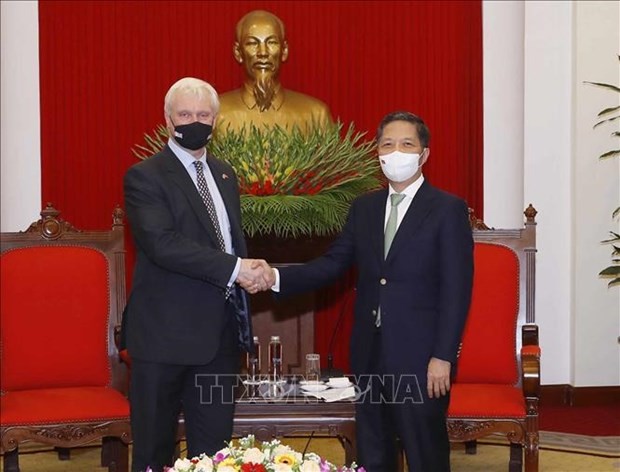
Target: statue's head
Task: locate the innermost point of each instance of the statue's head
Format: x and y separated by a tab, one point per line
261	47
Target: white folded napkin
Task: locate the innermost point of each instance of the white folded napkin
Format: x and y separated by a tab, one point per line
334	394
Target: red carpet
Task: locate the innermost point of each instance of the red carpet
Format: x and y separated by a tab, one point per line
587	420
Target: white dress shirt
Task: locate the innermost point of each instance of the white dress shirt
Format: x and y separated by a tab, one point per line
409	193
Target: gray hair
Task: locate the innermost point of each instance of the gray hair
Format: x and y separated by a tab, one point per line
198	87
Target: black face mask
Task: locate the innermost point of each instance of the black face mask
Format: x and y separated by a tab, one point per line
193	136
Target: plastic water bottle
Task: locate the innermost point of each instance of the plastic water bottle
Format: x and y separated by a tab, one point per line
275	359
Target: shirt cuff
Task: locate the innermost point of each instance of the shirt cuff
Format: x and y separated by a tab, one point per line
276	285
235	272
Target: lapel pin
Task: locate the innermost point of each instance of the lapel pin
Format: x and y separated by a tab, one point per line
224	176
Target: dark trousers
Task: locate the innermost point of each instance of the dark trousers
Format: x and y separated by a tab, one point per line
399	407
205	393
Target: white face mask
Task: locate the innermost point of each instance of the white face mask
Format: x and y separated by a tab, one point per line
399	166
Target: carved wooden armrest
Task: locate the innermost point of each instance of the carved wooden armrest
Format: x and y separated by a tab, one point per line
530	361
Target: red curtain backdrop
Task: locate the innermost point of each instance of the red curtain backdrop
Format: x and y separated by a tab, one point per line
106	65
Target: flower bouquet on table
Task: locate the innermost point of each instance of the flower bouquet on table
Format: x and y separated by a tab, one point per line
292	183
250	456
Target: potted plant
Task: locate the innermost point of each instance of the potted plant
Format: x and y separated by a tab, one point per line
608	115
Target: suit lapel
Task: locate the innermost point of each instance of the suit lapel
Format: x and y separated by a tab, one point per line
419	209
180	177
225	183
377	223
228	191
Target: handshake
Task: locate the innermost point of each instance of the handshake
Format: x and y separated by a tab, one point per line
255	275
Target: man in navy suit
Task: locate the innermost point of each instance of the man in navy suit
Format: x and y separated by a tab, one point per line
186	317
413	248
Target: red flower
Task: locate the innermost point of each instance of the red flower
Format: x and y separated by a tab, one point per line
252	467
255	189
314	190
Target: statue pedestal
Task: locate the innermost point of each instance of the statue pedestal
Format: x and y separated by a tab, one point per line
291	318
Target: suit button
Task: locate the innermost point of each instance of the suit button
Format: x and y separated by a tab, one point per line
374	312
383	281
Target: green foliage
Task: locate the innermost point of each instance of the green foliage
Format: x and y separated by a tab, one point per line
154	143
609	115
292	183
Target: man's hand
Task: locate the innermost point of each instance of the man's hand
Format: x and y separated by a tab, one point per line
255	275
438	377
269	274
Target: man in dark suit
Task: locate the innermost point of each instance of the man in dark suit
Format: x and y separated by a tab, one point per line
413	248
186	316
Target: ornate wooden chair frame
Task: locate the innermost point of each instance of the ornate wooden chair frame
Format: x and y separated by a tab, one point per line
115	432
521	430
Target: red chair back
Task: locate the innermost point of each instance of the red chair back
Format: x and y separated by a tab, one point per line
54	306
488	354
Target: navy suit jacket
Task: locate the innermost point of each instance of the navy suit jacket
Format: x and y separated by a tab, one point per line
177	309
423	286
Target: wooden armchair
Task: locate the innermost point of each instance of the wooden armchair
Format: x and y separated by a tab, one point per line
497	386
62	293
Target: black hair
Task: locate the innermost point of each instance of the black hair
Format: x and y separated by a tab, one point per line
423	132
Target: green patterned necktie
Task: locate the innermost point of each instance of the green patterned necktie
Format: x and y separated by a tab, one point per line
391	227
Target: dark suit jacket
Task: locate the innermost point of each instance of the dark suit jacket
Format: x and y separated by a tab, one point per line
423	287
177	309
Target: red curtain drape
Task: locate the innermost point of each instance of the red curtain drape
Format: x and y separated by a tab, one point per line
106	65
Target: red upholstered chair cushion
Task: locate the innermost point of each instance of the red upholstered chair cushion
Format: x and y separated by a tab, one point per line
62	405
488	354
486	401
54	304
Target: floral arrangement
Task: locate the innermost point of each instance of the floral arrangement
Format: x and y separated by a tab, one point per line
292	183
248	456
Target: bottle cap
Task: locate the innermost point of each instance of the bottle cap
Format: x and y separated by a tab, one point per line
255	339
275	338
